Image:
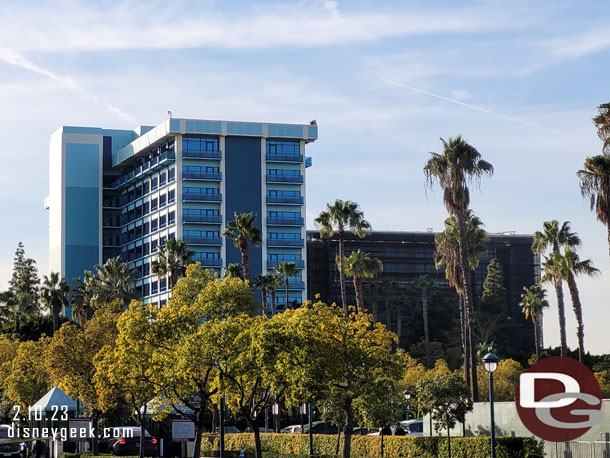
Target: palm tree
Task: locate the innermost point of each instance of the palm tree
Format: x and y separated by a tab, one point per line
555	237
53	294
172	260
85	296
267	284
234	270
399	304
243	231
602	122
286	270
115	280
424	283
595	185
533	303
447	256
567	267
360	265
372	291
17	307
340	217
459	165
387	288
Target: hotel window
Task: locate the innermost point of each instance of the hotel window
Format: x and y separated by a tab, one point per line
171	175
162	179
284	148
146	289
145	249
171	217
154	183
153	204
162	240
199	144
162	200
163	285
162	221
145	269
171	196
153	225
154	287
146	208
146	187
153	246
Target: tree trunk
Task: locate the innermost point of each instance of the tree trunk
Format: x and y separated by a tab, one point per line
257	436
359	294
473	365
465	352
448	437
562	318
467	291
272	301
264	299
245	260
424	301
381	435
577	306
55	320
375	304
95	417
142	433
342	272
536	337
388	318
349	427
399	324
198	432
338	441
286	293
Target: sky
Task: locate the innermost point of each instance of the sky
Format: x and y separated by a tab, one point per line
385	80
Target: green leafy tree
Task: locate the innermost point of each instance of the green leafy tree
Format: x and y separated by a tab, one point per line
53	294
172	260
554	237
533	302
285	271
459	165
243	232
491	313
352	353
446	397
424	283
340	217
70	359
360	265
115	281
595	186
567	267
448	256
21	299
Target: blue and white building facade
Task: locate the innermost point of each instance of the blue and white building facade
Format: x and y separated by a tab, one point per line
124	193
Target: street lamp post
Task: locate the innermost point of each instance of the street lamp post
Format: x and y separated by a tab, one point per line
408	395
490	361
310	412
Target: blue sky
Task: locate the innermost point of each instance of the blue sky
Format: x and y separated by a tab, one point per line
384	79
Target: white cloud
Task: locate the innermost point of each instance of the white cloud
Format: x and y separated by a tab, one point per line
579	45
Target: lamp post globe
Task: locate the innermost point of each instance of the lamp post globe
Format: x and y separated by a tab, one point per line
490	361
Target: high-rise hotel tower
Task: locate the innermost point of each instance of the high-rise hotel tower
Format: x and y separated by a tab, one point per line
124	193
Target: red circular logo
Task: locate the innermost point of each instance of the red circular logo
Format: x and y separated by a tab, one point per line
558	399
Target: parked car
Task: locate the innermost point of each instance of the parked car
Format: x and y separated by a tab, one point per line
128	442
320	427
292	429
12	449
413	427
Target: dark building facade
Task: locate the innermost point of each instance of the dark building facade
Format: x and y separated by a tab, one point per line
408	255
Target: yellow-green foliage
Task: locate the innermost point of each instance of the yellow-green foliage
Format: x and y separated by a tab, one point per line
370	446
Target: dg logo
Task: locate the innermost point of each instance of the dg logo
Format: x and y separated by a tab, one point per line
559	399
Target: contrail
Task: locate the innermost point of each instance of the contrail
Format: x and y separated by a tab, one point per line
12	57
473	107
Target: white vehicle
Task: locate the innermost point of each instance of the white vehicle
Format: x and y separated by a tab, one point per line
413	427
292	429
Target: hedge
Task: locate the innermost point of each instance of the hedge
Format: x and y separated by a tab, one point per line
370	446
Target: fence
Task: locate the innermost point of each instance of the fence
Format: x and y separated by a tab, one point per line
581	449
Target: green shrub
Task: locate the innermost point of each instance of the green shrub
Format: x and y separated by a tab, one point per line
297	446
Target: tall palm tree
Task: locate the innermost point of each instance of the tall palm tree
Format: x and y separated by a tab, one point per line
454	169
53	294
243	232
85	296
399	305
555	237
172	260
595	185
341	217
388	288
533	302
116	280
17	308
286	270
372	292
448	256
360	265
602	123
267	284
424	283
567	267
234	270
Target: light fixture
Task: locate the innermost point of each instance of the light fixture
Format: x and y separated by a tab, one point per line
490	361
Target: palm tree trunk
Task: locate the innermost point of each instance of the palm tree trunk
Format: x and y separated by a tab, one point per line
272	301
464	330
473	366
562	318
399	325
536	337
342	271
359	294
577	306
388	319
286	293
424	302
245	260
375	304
467	292
264	299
